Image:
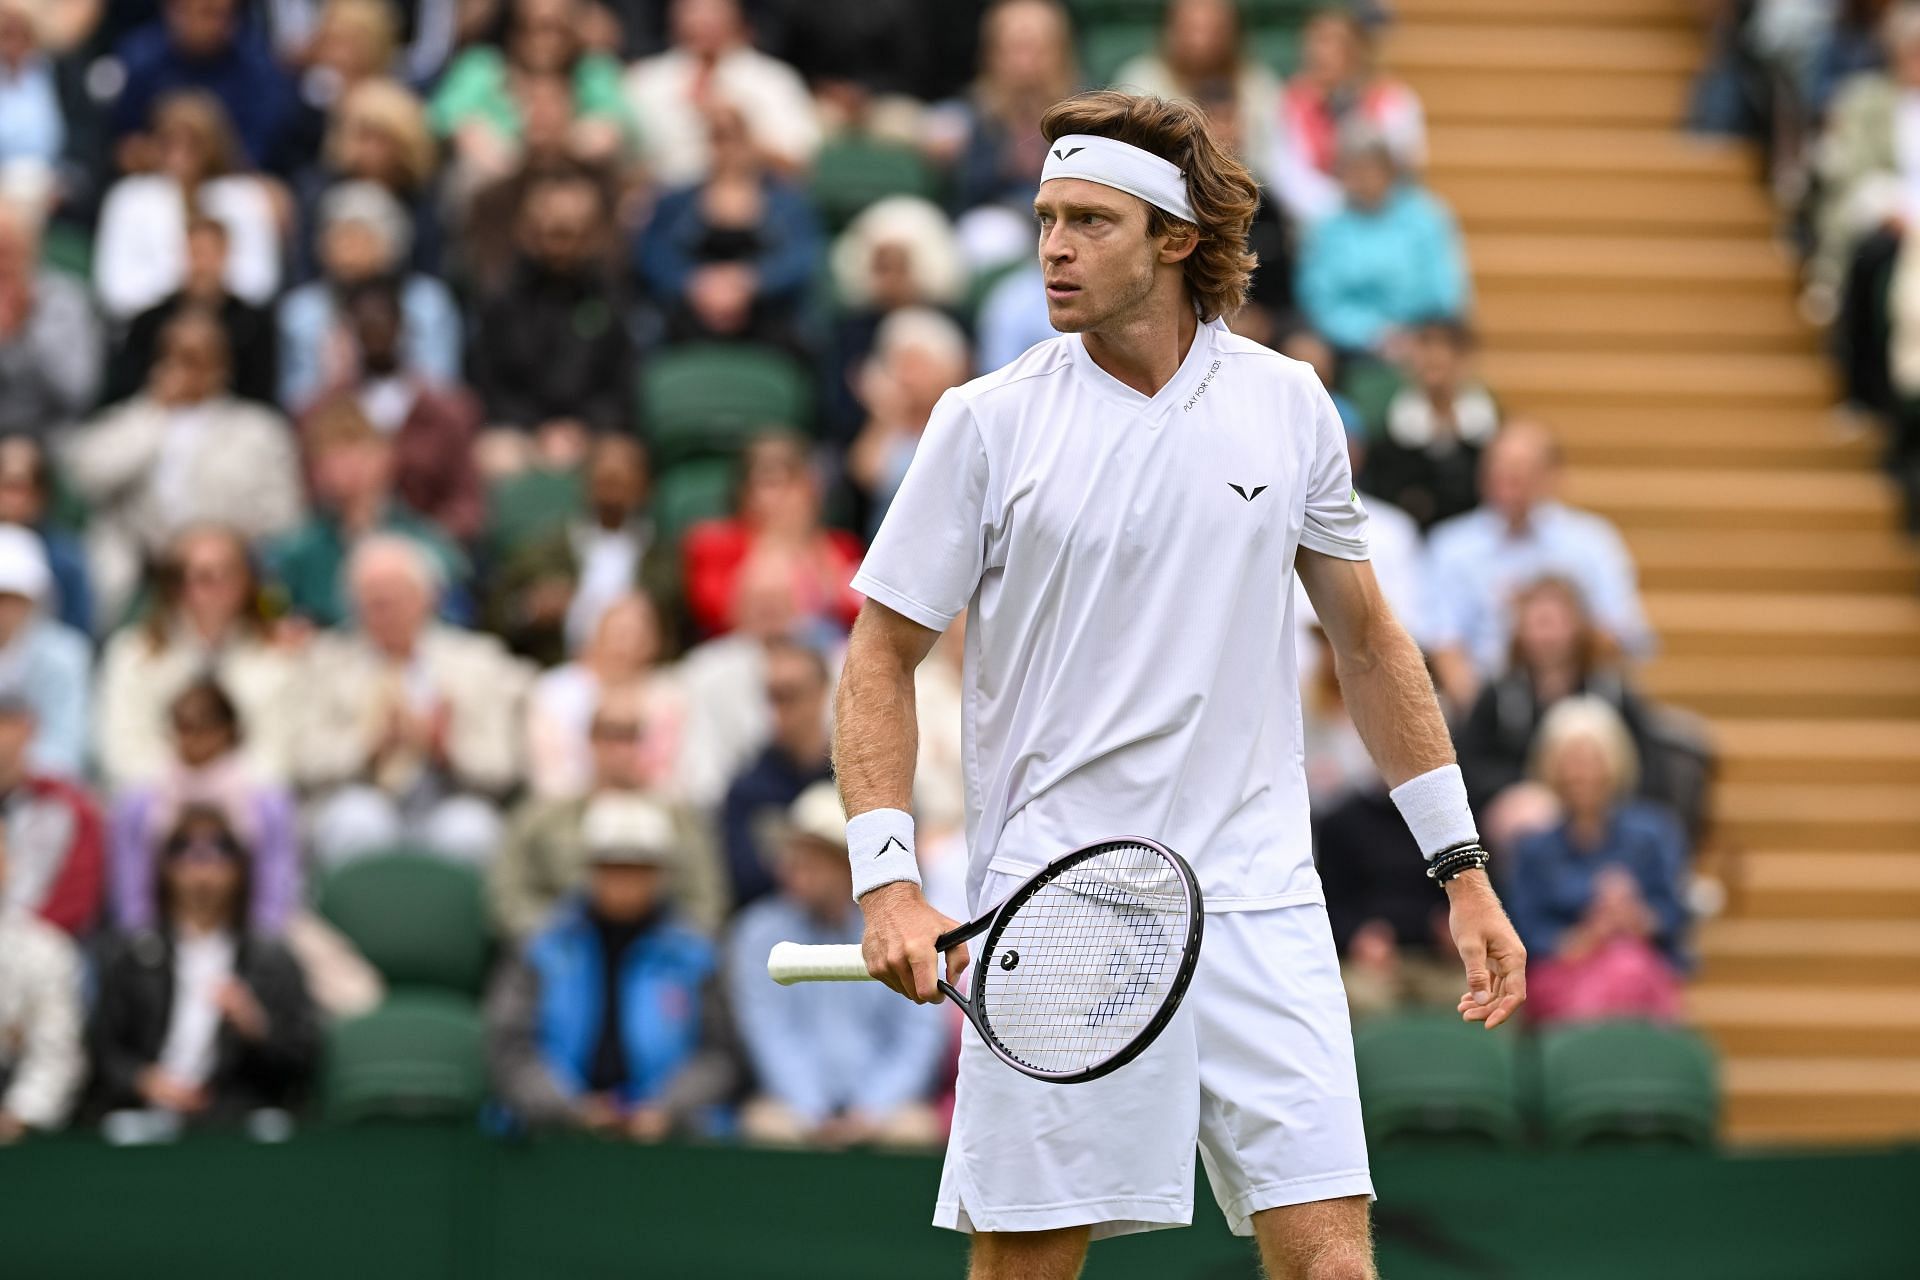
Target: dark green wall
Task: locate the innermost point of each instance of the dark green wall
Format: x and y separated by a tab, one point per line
430	1203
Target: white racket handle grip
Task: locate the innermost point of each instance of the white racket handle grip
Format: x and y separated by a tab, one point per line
791	962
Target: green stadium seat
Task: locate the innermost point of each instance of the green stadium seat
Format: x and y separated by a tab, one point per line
420	1055
1092	12
1371	385
851	174
1278	48
706	399
1628	1080
419	919
1108	46
1432	1075
689	492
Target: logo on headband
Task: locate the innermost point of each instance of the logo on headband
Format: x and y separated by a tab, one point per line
1067	154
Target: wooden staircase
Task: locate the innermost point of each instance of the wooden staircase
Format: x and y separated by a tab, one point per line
1631	295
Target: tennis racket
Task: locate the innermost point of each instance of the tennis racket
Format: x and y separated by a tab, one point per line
1083	965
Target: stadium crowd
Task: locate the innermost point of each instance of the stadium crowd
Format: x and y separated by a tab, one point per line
371	480
1831	88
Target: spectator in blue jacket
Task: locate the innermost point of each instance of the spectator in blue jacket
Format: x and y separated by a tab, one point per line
613	1019
46	663
835	1064
201	44
732	257
1599	899
1391	256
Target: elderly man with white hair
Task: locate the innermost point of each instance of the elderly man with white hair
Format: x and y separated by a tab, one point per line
918	355
51	346
408	728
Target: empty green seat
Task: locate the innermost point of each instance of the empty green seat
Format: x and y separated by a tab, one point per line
853	173
417	918
710	398
690	492
1628	1080
420	1055
1430	1074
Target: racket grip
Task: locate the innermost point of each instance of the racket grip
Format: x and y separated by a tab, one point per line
791	962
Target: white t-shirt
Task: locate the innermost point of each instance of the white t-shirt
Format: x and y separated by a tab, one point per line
201	966
1128	563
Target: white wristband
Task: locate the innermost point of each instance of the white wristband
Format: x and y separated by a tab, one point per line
1435	807
880	847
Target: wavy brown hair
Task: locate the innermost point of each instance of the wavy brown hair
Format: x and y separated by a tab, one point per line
1222	192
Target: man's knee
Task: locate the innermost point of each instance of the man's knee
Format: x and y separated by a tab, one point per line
1029	1255
1321	1240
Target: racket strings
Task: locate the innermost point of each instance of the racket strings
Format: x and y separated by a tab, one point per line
1081	967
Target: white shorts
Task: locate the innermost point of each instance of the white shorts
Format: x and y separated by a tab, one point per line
1257	1066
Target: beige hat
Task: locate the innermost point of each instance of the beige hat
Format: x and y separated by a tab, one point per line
631	828
817	813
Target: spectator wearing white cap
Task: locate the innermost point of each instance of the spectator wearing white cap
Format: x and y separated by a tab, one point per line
44	663
835	1064
543	856
613	1018
365	234
184	451
41	1061
409	728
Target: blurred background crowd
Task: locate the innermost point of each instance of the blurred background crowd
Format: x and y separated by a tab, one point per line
435	442
1831	89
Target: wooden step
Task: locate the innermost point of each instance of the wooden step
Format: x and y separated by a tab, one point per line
1721	426
1412	48
1641	13
1766	751
1818	627
1833	1095
1596	99
1769	686
1604	205
1862	816
1554	152
1830	561
1631	264
1683	378
1855	887
1520	317
1803	1022
1771	501
1645	446
1795	951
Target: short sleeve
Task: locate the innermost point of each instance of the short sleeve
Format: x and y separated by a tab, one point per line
1336	523
927	557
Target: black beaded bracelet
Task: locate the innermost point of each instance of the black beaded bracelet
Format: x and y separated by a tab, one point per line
1451	862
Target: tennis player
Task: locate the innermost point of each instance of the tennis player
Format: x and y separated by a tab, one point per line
1123	509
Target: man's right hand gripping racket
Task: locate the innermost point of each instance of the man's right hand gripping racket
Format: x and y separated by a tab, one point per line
1083	965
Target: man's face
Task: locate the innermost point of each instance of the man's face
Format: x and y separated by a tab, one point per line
200	28
706	28
391	605
616	477
798	697
816	875
1516	475
615	736
1094	252
376	327
16	36
625	892
192	366
563	225
352	250
351	473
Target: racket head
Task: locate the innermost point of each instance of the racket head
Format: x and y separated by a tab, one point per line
1086	962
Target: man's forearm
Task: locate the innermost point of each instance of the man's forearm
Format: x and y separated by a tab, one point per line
876	733
1392	703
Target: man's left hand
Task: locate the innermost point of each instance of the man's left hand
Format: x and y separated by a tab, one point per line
1496	962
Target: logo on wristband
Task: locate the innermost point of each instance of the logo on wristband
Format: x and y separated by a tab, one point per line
891	842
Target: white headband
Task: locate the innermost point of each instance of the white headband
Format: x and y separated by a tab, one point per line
1123	167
